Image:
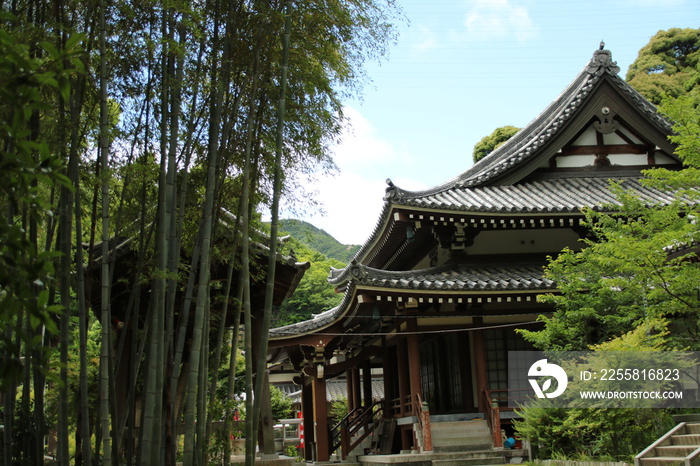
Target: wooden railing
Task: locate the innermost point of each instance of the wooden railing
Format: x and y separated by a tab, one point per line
423	418
492	403
355	427
402	406
493	416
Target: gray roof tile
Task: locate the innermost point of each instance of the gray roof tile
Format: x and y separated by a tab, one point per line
525	144
461	278
563	195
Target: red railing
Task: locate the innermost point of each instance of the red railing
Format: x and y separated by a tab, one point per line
423	416
492	403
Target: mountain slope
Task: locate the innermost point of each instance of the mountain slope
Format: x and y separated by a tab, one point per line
319	240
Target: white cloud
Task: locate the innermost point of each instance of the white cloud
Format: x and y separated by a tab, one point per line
490	19
352	206
353	199
360	146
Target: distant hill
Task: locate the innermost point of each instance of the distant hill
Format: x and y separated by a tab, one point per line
319	240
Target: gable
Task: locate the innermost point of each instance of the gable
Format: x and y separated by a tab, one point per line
597	129
596	98
609	134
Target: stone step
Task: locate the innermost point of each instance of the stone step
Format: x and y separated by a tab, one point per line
460	426
459	432
460	448
456	436
661	461
471	461
456	440
686	439
677	451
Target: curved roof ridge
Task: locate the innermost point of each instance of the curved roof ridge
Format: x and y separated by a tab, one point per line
374	236
488	277
525	142
316	322
359	272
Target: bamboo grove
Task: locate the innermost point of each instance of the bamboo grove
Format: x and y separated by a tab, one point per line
139	141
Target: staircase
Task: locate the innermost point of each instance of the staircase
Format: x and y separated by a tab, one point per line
465	443
679	446
453	436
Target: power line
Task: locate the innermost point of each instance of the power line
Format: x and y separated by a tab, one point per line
422	332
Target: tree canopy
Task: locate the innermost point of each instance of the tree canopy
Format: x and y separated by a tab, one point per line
487	144
137	142
634	287
667	65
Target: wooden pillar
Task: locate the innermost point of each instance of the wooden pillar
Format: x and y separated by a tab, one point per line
356	393
402	374
465	367
307	409
413	356
479	362
416	388
349	386
367	384
389	372
320	403
404	391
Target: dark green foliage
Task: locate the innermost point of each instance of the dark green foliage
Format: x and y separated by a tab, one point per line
667	65
319	240
635	287
28	168
281	404
489	143
314	294
339	409
604	434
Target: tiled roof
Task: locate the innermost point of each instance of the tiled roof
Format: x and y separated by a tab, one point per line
462	278
526	143
317	322
567	194
557	195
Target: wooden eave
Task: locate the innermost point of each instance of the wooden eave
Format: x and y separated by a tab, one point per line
393	241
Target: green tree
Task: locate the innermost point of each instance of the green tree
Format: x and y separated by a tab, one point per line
639	262
489	143
281	404
634	287
313	294
667	65
157	124
616	434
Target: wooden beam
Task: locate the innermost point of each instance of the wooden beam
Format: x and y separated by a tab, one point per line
607	149
338	368
401	217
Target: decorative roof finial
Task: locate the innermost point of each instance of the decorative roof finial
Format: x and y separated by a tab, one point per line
602	62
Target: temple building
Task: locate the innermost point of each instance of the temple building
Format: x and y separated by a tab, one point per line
434	296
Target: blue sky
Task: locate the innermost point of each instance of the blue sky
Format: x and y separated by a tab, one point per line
461	69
